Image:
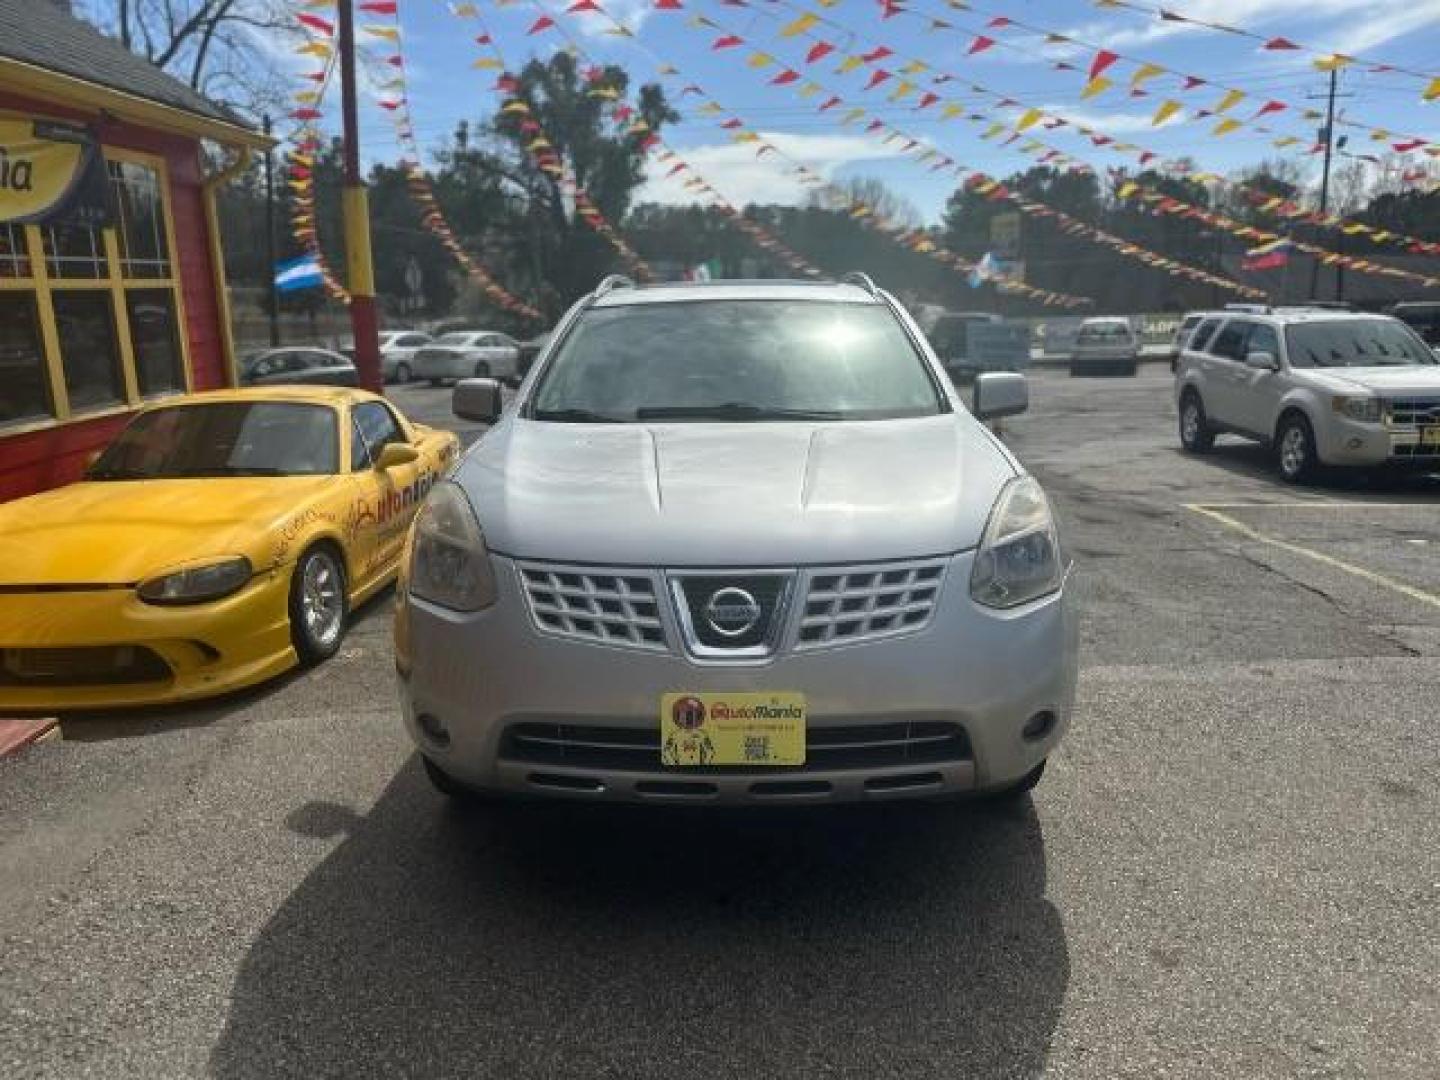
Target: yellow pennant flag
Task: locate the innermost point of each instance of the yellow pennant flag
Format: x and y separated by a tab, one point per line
851	116
915	67
800	25
307	97
487	63
668	69
1432	91
316	48
1334	62
1229	101
1166	110
746	136
809	89
1029	120
849	64
1145	73
1226	126
1284	141
515	107
389	33
710	108
901	89
760	60
992	131
1379	135
465	11
951	111
1097	85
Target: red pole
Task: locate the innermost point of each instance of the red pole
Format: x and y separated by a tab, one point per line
361	271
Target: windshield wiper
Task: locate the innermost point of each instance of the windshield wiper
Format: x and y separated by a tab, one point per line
576	416
731	410
117	474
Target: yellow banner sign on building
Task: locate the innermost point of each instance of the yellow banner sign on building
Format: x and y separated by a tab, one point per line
39	176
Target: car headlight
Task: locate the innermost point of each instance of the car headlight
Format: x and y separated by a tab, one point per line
449	564
197	584
1019	557
1365	409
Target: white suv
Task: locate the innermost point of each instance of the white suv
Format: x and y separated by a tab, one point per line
1323	387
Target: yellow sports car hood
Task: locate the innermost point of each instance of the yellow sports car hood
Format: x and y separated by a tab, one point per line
123	531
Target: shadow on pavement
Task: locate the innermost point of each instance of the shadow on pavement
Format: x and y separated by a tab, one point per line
1251	459
574	940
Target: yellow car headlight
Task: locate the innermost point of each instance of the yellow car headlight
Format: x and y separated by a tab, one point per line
197	584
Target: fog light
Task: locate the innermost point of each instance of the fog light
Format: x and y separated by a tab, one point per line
1038	726
1355	444
433	729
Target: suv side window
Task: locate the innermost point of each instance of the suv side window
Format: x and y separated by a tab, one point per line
1201	337
1263	338
1230	342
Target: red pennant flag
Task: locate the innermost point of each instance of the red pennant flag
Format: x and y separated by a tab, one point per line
998	23
306	114
667	5
875	125
727	42
819	51
483	39
1103	59
1270	107
677	168
1277	43
1147	157
315	76
830	103
980	44
1192	81
649	140
892	8
380	7
878	53
1406	147
785	78
315	22
395	61
582	5
876	78
731	125
390	106
927	99
542	23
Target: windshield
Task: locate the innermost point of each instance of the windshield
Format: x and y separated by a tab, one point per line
223	439
456	338
1355	343
737	360
1103	333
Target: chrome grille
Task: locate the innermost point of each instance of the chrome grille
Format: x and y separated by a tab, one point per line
846	605
613	607
1415	412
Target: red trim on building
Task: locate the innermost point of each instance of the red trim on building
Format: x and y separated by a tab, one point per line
36	460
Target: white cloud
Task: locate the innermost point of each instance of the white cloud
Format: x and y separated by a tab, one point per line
1111	123
734	171
630	13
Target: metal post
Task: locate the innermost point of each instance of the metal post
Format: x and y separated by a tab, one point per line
1325	177
363	325
270	255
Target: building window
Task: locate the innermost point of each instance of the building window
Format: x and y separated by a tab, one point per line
92	318
140	224
85	325
155	340
24	380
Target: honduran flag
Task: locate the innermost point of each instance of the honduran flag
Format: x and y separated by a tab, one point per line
1269	256
297	274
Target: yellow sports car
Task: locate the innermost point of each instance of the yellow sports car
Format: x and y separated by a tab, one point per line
221	538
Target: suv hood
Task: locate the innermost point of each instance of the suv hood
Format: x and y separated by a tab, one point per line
1416	379
749	494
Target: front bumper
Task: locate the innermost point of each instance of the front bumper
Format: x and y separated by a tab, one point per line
985	673
193	651
1349	442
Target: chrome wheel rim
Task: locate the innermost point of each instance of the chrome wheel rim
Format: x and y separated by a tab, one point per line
1189	422
322	600
1293	451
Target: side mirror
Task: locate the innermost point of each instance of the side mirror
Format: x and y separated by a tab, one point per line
477	399
396	454
1265	361
1000	393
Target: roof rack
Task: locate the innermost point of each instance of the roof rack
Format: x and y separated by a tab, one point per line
612	282
855	277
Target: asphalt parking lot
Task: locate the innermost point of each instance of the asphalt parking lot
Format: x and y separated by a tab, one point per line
1231	868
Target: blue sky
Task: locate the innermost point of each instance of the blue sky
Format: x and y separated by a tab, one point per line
444	88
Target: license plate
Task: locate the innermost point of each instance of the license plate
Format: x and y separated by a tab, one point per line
1430	436
732	729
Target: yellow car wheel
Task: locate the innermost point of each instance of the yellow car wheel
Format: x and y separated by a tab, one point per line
318	609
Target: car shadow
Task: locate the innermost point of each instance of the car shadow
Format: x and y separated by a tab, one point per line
1257	462
573	939
102	725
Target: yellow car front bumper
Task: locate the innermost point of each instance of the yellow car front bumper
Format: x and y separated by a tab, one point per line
102	648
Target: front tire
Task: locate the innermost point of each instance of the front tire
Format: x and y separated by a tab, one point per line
318	606
1295	449
1195	433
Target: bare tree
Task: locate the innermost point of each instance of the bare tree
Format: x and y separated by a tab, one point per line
228	50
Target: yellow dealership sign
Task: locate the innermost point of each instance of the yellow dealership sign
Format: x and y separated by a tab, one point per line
43	177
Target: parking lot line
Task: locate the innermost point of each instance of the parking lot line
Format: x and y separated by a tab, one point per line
1310	504
1210	511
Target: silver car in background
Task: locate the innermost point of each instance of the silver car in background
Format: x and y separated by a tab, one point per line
736	543
466	354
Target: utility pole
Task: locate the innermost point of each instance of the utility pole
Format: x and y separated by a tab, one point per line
1329	135
270	234
360	267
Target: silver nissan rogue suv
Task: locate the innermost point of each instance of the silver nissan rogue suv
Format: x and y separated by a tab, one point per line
737	542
